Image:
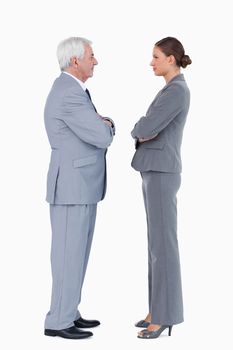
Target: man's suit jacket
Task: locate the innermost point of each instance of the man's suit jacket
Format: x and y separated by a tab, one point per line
165	118
79	139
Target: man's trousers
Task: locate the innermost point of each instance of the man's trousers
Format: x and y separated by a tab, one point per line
72	233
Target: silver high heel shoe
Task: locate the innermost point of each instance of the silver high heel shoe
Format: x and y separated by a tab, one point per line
142	324
145	334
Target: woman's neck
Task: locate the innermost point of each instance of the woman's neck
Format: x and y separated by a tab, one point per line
170	75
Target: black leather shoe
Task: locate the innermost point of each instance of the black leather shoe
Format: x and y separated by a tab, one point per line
69	333
82	323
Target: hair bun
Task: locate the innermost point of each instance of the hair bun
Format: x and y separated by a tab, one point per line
185	61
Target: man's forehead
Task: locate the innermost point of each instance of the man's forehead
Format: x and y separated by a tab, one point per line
89	50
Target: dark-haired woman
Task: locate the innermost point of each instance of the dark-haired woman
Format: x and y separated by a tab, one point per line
158	138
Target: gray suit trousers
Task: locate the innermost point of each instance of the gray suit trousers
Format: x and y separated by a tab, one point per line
165	291
72	233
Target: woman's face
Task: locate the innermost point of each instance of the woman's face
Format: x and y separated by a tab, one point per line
161	63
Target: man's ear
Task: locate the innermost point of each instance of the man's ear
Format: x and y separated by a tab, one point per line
74	62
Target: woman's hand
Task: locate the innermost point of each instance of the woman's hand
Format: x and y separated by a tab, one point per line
147	139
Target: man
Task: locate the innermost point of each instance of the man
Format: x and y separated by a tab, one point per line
76	181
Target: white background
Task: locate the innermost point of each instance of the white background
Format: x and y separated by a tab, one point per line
115	289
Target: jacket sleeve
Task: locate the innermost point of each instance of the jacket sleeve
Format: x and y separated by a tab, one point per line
79	115
113	124
161	112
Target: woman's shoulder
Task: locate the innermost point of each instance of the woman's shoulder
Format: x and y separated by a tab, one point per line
176	87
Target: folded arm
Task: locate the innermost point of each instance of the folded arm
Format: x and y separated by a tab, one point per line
161	113
81	118
109	122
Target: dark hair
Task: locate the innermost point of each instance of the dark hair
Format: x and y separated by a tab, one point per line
172	46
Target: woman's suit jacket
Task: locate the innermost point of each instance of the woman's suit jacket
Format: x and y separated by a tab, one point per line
165	118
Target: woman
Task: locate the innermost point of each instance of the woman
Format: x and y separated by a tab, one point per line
158	138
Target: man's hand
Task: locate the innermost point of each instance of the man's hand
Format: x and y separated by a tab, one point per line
108	122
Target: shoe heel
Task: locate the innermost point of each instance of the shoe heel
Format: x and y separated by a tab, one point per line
169	330
50	332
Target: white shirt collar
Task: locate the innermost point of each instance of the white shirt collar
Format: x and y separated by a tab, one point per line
81	83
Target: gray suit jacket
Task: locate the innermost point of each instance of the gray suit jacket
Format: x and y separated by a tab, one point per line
79	139
165	118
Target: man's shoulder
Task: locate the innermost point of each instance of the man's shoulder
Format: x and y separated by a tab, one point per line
66	84
67	80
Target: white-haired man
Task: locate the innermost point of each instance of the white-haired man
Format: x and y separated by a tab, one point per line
76	182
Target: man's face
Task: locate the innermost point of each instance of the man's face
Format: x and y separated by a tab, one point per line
86	64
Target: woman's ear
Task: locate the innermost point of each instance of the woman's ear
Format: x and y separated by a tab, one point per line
172	59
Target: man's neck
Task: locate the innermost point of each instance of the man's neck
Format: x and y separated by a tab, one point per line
76	74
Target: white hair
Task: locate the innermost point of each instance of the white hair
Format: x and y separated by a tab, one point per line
71	47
